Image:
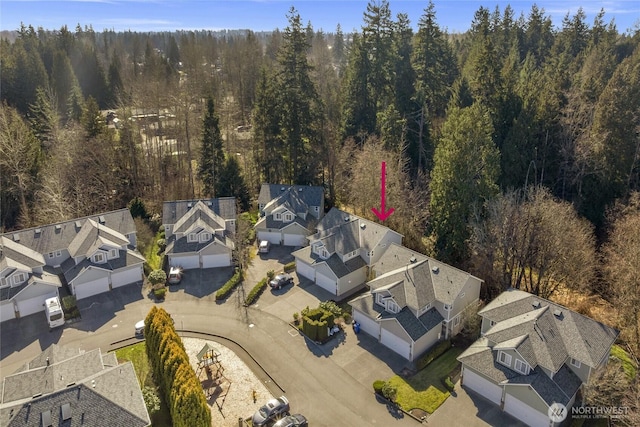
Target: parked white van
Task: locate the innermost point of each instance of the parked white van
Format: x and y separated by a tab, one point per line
264	246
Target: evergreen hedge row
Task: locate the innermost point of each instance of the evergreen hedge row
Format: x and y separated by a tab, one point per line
289	267
173	372
231	284
256	291
315	323
433	354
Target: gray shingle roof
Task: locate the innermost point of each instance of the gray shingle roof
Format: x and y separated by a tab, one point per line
14	254
92	236
125	258
59	236
172	211
311	195
395	257
480	357
200	215
104	393
560	389
269	222
569	335
290	199
35	279
182	245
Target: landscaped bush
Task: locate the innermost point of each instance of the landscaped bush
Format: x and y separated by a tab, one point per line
256	291
157	276
331	307
289	267
389	391
70	307
448	383
315	323
378	385
432	355
231	284
173	373
159	291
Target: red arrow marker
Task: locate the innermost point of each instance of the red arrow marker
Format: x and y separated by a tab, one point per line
383	214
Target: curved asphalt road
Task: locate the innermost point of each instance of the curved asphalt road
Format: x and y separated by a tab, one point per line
316	386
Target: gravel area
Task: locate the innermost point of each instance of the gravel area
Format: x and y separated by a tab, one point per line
231	396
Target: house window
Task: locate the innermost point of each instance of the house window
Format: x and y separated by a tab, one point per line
392	307
424	309
370	254
447	307
521	367
379	299
205	237
288	217
192	237
456	321
504	358
278	216
3	282
18	278
575	363
51	255
58	253
98	258
316	208
113	253
491	323
324	253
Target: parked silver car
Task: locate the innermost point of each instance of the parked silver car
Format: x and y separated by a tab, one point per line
272	409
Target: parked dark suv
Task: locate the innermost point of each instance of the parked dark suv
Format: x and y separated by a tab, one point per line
281	280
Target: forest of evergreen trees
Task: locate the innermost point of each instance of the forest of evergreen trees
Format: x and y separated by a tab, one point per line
512	150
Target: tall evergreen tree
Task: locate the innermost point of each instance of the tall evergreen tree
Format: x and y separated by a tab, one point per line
465	172
232	183
211	153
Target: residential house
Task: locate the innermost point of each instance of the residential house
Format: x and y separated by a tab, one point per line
199	233
414	301
289	213
94	254
533	354
65	387
340	254
24	283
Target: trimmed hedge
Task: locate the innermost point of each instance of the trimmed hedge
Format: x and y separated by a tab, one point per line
231	284
289	267
378	385
173	373
256	291
315	323
446	381
432	355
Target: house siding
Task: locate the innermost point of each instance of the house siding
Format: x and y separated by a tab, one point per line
352	281
527	395
378	250
471	291
582	372
426	341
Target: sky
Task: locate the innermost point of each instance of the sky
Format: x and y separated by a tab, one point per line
266	15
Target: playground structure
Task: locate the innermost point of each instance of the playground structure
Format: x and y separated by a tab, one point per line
215	384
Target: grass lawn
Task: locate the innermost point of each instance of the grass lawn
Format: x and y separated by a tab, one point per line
628	365
425	390
138	356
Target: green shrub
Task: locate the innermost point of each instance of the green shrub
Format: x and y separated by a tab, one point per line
231	284
289	267
296	317
448	383
157	276
271	274
389	391
160	292
347	318
315	322
378	385
256	291
432	355
331	307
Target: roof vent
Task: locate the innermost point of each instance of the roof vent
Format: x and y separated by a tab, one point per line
536	304
101	219
209	203
558	314
38	231
37	395
66	411
413	259
435	269
363	225
281	188
16	237
78	224
189	205
300	189
93	383
346	218
71	384
46	419
58	227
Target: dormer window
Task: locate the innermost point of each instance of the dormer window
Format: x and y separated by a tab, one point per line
575	363
504	358
521	367
98	258
3	282
113	253
19	278
192	237
278	216
379	299
205	237
324	253
288	217
424	309
392	307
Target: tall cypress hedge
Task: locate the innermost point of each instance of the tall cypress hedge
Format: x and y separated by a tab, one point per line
173	372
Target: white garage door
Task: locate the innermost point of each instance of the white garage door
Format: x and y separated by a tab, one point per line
395	343
7	312
305	270
33	305
88	289
294	240
482	386
273	236
186	262
524	412
367	324
220	260
122	278
326	283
